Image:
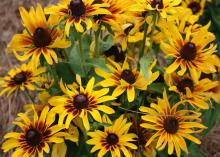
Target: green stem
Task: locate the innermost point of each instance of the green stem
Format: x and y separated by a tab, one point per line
28	94
97	34
54	73
144	40
68	60
82	54
152	33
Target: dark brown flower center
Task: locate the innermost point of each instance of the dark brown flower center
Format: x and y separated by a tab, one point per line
33	137
181	86
128	76
20	78
99	17
171	124
195	7
157	3
97	2
118	54
144	13
128	29
80	101
41	37
188	51
204	76
112	139
77	8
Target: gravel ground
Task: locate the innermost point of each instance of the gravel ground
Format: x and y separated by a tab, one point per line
10	24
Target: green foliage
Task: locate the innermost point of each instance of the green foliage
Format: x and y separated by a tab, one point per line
145	62
98	62
212	13
64	71
211	117
106	43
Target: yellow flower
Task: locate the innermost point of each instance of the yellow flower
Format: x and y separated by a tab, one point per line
164	7
113	139
22	78
171	126
79	102
45	82
215	91
143	135
117	9
76	12
36	135
194	92
40	37
195	6
123	78
190	53
127	33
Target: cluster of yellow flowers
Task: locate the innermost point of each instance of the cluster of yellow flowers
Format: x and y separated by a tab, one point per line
141	71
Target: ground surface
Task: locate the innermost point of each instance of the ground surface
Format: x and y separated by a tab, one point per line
9	107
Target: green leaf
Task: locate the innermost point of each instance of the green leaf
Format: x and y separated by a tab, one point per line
145	64
98	62
194	151
211	117
63	71
215	12
106	43
157	87
75	60
80	150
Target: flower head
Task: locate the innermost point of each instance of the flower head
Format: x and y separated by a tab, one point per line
123	78
36	135
40	37
193	53
164	7
171	125
22	78
77	13
113	139
194	92
79	102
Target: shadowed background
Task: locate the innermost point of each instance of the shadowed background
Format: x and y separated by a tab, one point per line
10	23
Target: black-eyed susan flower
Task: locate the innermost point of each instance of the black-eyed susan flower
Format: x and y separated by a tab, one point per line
24	77
197	93
114	139
164	7
128	33
40	37
116	54
193	53
60	149
35	136
143	135
123	78
117	16
81	102
45	82
195	6
77	12
171	126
